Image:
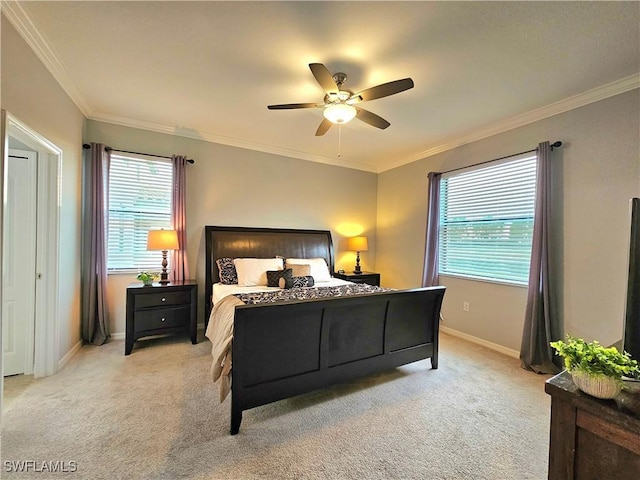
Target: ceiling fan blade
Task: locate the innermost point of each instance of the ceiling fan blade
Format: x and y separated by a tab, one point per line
371	118
384	90
324	126
324	77
287	106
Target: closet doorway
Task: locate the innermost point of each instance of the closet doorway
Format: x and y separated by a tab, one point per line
30	251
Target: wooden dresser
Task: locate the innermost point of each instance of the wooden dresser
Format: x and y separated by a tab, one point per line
592	438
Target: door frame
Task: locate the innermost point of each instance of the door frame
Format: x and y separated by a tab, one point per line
46	327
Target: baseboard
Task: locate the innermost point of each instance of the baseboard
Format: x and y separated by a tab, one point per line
64	360
485	343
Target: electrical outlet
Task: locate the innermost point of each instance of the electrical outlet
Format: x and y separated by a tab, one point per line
465	306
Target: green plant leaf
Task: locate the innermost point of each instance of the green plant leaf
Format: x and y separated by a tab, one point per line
594	358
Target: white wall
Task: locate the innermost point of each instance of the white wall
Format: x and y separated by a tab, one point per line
32	95
238	187
597	171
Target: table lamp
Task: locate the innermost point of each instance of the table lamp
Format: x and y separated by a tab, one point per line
358	244
163	240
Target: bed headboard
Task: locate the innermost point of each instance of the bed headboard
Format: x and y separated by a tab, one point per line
244	242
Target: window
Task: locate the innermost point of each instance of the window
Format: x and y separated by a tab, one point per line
139	200
486	221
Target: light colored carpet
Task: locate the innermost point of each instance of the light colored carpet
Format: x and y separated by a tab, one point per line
154	415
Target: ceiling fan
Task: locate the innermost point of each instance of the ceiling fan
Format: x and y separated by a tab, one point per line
339	103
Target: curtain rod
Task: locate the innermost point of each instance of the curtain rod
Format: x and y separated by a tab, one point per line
86	146
555	144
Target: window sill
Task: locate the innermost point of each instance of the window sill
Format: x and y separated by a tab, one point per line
484	280
122	272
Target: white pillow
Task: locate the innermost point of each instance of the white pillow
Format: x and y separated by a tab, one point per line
319	269
253	271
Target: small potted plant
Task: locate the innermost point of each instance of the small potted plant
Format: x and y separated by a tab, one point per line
595	369
147	278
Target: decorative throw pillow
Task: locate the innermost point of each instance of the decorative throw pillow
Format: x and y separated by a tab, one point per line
273	276
298	282
227	271
299	270
285	282
319	269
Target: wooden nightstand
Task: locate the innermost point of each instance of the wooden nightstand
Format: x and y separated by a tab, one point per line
161	309
371	278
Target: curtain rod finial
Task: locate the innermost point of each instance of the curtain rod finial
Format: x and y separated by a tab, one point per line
556	144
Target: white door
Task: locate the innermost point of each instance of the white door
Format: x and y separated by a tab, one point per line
19	262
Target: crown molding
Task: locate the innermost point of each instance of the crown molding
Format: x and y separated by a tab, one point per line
229	141
27	30
590	96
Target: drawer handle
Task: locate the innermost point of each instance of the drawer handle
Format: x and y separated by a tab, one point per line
163	319
163	299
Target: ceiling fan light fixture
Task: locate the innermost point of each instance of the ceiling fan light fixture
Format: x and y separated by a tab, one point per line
339	113
338	102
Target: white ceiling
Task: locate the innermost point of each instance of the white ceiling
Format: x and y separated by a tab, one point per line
208	70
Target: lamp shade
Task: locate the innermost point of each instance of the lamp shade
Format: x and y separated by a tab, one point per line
358	244
162	240
339	113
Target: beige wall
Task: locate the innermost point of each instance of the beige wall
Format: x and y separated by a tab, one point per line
238	187
33	96
598	171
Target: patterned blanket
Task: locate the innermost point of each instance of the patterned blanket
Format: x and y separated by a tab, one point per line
308	293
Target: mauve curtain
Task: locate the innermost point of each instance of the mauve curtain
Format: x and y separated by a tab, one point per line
95	313
430	271
540	322
179	265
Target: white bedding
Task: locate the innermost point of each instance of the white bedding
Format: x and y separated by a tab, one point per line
220	291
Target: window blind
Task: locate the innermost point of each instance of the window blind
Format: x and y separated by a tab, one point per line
139	200
486	221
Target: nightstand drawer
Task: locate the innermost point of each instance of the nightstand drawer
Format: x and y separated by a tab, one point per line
359	279
162	299
162	318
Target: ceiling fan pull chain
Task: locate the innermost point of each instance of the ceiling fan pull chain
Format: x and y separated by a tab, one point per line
339	139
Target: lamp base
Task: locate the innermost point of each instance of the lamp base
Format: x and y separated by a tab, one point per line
164	276
357	269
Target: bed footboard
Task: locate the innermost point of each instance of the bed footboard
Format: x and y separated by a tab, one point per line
285	349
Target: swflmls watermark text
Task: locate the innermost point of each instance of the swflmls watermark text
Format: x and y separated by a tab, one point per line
36	466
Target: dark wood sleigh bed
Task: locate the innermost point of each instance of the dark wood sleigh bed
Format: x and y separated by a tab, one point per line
285	349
